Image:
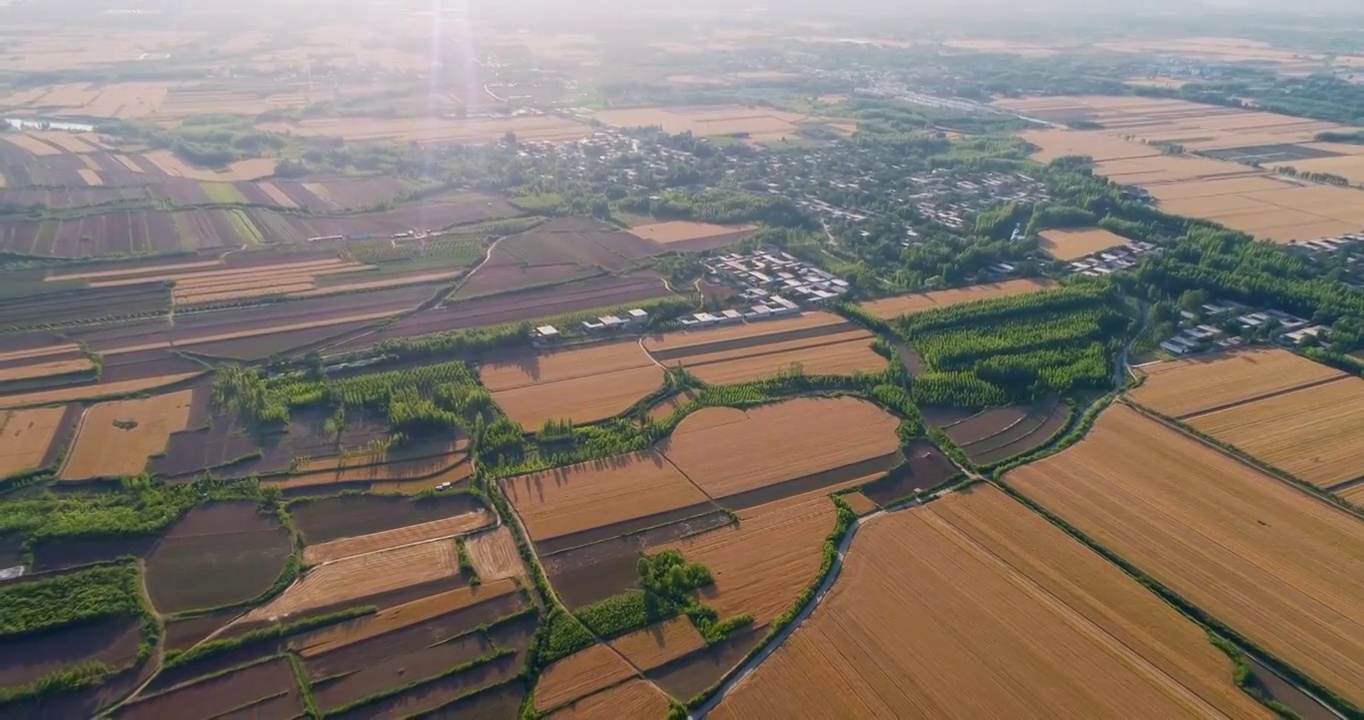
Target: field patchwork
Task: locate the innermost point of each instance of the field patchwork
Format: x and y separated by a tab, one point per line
973	606
1182	388
1270	561
116	439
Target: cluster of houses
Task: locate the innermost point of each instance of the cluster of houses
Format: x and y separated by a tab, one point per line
1113	260
948	198
1332	244
774	274
1295	331
633	319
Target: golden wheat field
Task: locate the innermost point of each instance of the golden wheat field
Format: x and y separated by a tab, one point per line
893	307
630	699
353	579
1315	434
975	607
726	453
764	562
1075	244
584	385
352	546
660	643
494	555
1273	563
116	439
25	436
1180	388
563	501
579	675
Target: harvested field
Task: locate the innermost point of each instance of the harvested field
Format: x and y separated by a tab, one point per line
1001	615
1180	388
30	144
570	500
819	343
172	166
579	675
494	555
699	671
665	408
659	644
395	476
216	555
348	581
588	573
436	131
322	521
495	703
116	439
1002	433
891	308
692	236
924	468
522	306
25	438
632	699
763	563
727	452
404	616
585	385
183	634
350	547
113	642
860	504
92	392
669	345
1312	433
1074	244
753	123
456	693
266	690
54	368
558	251
1269	561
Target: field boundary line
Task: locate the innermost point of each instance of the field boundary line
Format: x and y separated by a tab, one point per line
741	672
691	482
1266	396
1319	494
1069	615
479	529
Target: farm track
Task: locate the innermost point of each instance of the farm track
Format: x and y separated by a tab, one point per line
1266	396
557	602
158	659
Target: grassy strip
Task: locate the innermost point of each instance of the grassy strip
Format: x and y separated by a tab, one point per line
305	688
387	693
466	566
1244	677
84	675
273	632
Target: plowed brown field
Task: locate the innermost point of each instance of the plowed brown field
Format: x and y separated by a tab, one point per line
105	450
25	436
401	616
894	307
1180	388
46	369
579	675
584	385
1316	433
659	644
349	580
632	699
1269	561
494	555
974	607
775	443
580	497
350	547
763	563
